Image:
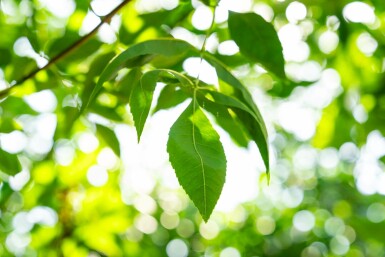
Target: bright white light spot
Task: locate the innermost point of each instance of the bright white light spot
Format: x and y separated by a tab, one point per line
299	120
328	41
367	44
196	67
87	142
18	181
21	224
107	159
264	10
145	204
97	176
228	47
333	23
169	4
376	213
334	226
146	6
236	6
43	215
89	23
238	215
295	12
305	158
349	152
294	48
375	144
304	221
64	152
16	243
230	252
290	34
106	34
43	101
307	71
367	176
359	12
185	228
60	8
339	245
177	248
23	47
169	220
202	18
209	230
184	34
298	52
146	223
39	145
265	225
360	114
221	14
292	197
14	142
328	158
102	7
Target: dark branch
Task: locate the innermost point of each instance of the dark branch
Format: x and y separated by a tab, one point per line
66	51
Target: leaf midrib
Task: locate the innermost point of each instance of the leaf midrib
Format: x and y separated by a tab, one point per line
199	155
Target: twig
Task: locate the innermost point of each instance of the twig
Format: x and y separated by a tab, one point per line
66	51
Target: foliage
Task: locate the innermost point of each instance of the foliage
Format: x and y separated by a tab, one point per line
71	96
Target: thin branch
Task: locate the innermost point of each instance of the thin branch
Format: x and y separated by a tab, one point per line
66	51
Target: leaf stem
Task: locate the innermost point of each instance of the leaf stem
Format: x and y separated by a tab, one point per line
66	51
203	49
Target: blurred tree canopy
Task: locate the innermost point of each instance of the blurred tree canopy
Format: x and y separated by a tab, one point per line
74	181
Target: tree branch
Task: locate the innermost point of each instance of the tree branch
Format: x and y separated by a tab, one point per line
66	51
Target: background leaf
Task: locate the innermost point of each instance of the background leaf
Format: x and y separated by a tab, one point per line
110	138
198	158
141	99
236	89
9	163
169	97
258	40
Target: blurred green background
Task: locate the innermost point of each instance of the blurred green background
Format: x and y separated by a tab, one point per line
87	188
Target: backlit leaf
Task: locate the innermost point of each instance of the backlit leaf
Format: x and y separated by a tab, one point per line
166	47
198	158
243	96
141	99
257	40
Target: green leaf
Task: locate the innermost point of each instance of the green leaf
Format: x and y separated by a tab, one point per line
110	138
258	40
166	47
141	99
198	158
211	3
169	97
243	95
125	86
225	120
9	163
252	123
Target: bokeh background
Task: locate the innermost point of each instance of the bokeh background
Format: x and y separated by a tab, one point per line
88	189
